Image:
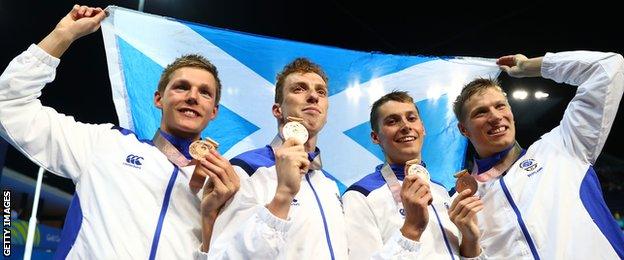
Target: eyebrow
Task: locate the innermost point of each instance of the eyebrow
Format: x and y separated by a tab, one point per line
298	84
477	110
390	116
407	112
484	107
321	86
180	81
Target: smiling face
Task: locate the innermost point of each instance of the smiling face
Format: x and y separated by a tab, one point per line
187	102
488	122
401	132
304	96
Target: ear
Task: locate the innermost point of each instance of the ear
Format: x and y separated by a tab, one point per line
157	100
375	137
462	129
215	111
277	111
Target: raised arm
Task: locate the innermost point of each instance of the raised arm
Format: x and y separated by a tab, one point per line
80	21
54	141
589	116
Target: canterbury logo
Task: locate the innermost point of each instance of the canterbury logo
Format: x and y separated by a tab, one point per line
134	160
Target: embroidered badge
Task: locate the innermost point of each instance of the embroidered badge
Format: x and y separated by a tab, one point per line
134	161
528	165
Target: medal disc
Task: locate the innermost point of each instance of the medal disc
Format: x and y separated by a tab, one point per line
464	182
295	130
419	170
200	148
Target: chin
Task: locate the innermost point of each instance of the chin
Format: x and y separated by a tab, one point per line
188	131
411	153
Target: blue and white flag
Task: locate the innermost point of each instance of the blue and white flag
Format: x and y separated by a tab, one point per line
139	46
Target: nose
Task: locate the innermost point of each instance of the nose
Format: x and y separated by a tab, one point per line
495	115
405	126
192	95
313	97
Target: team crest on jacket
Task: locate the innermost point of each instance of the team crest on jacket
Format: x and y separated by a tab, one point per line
134	161
528	165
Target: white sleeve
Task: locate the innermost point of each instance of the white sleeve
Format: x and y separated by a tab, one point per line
52	140
246	229
364	234
589	116
398	247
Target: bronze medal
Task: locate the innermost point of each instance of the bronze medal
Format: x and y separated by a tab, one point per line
414	167
200	148
465	181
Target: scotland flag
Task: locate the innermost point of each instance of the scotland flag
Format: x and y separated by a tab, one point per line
139	46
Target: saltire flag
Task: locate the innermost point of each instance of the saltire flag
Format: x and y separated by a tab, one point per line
139	46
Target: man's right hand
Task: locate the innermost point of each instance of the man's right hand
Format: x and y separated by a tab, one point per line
520	66
80	21
415	196
222	184
291	163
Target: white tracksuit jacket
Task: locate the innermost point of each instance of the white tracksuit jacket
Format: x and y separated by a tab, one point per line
549	205
374	219
245	229
130	201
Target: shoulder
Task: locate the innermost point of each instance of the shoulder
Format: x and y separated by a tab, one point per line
130	133
251	160
367	184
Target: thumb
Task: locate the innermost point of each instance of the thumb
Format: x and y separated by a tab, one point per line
505	68
101	14
74	12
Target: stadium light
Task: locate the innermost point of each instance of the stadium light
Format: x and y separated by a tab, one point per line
520	94
541	95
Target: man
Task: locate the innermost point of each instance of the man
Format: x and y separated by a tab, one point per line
382	227
545	202
131	202
288	208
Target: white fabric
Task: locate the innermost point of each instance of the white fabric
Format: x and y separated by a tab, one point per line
120	200
547	190
247	230
373	224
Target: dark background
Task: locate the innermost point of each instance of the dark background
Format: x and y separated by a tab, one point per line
439	28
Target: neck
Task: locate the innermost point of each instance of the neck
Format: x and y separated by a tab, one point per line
488	153
310	145
401	161
178	135
486	163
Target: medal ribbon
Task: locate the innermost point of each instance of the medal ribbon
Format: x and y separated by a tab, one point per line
174	156
393	183
170	151
500	168
315	163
